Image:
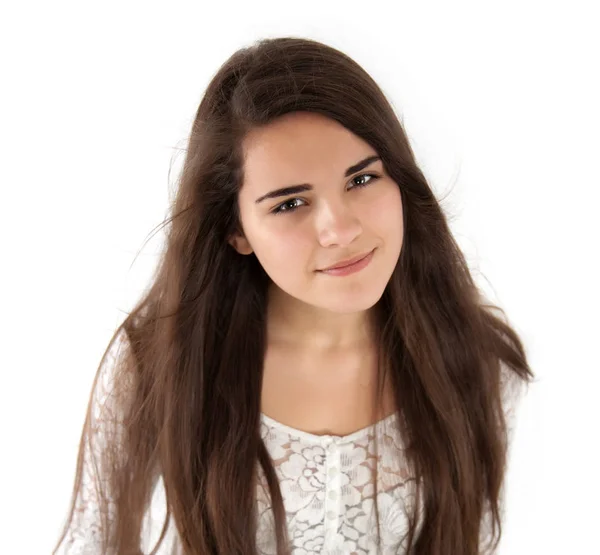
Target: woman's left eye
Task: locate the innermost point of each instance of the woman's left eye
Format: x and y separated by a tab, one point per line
372	175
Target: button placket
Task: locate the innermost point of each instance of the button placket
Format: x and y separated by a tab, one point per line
332	492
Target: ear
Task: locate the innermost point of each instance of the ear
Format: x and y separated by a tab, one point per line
239	242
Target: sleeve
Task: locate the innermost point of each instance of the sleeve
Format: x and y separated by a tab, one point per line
94	510
94	513
513	389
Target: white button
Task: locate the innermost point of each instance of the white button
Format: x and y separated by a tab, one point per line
333	471
331	515
333	494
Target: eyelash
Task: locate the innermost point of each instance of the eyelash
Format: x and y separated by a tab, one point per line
277	210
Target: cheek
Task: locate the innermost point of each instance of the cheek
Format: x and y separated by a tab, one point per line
283	238
385	212
283	250
390	227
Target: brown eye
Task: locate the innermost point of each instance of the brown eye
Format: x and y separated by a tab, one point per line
282	207
371	175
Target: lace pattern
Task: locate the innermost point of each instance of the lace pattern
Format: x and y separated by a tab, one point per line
326	482
85	535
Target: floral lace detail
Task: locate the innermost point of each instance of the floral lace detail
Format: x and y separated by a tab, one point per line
328	489
327	483
85	534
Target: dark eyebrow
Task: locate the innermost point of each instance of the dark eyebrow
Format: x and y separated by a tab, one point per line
294	189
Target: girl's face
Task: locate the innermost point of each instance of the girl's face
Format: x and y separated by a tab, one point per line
338	212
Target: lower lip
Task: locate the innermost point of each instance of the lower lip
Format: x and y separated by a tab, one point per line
347	270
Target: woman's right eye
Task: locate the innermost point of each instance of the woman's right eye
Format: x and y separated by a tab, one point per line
281	210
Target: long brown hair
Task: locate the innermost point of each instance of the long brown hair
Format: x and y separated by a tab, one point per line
177	393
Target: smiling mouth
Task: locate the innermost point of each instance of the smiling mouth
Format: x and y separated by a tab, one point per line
350	262
350	268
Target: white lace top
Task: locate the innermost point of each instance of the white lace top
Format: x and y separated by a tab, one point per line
328	490
327	487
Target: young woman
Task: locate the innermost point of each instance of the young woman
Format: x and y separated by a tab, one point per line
268	403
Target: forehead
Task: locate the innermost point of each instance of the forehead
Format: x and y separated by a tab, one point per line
299	146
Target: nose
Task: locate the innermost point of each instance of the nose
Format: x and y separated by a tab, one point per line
337	224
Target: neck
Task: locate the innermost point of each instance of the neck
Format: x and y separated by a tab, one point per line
295	323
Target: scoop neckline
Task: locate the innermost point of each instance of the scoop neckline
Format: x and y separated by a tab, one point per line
326	438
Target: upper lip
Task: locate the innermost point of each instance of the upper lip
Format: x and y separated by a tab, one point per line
347	262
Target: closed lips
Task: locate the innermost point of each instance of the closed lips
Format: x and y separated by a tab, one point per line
347	262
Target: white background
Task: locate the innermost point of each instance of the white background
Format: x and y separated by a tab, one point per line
500	102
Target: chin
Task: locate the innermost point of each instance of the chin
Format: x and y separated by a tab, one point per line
350	302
